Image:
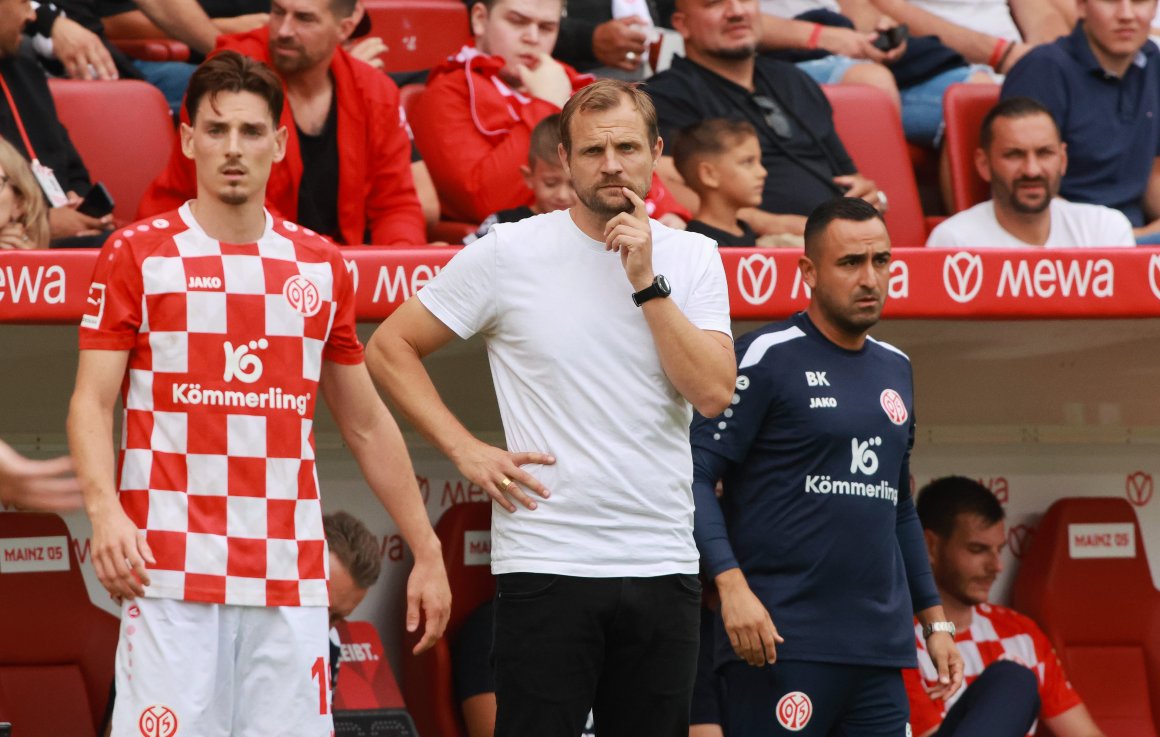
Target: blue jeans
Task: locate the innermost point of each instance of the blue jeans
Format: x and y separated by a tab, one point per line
1152	239
171	77
830	69
922	113
922	108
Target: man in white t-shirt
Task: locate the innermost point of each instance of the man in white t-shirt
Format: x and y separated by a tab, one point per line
1023	157
596	358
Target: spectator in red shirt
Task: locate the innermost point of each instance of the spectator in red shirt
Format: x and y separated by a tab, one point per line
474	121
1013	675
356	188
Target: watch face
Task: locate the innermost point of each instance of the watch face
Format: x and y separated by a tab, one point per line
662	285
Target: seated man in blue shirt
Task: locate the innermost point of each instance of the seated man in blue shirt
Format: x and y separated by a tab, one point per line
1102	85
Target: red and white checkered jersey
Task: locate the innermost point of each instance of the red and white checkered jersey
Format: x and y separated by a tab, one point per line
996	633
226	343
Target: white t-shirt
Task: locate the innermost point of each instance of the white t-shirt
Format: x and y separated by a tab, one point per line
577	375
992	17
1073	225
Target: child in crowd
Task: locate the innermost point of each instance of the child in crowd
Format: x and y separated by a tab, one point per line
720	160
543	174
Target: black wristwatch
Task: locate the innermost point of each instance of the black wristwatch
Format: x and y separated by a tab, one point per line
659	288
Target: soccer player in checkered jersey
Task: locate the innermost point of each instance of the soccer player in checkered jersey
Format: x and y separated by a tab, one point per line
217	324
815	530
1012	674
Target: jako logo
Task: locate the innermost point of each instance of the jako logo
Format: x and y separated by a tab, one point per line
864	460
1154	274
963	276
241	364
157	721
205	282
756	278
794	711
302	295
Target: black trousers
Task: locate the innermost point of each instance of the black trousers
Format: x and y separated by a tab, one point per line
624	647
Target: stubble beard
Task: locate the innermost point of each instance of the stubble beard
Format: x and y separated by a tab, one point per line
231	196
606	210
739	53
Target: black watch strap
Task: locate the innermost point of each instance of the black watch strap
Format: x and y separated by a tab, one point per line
659	288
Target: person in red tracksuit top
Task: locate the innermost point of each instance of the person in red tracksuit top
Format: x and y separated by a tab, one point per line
473	124
347	171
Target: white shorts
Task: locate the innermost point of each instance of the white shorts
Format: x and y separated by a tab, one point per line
187	669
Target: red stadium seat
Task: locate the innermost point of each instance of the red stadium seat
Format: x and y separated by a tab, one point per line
418	33
123	132
869	126
465	531
964	107
1085	580
365	680
152	49
56	647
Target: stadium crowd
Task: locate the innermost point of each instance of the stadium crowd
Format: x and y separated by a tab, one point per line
515	124
370	163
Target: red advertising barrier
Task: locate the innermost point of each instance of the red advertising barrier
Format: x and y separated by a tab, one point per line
993	284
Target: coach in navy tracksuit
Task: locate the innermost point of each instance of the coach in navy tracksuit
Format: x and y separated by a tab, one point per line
815	545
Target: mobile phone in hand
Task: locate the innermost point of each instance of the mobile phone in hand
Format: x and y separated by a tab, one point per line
97	203
892	38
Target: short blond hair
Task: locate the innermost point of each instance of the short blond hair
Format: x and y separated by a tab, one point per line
28	195
607	94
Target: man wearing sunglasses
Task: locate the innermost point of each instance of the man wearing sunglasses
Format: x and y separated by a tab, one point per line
721	76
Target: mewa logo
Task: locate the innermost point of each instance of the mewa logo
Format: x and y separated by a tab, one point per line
756	278
963	276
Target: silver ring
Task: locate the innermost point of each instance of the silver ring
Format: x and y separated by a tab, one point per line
631	56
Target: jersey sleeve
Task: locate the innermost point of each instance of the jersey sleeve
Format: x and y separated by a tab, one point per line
925	714
908	530
731	433
342	344
709	529
1055	692
113	310
708	303
462	295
